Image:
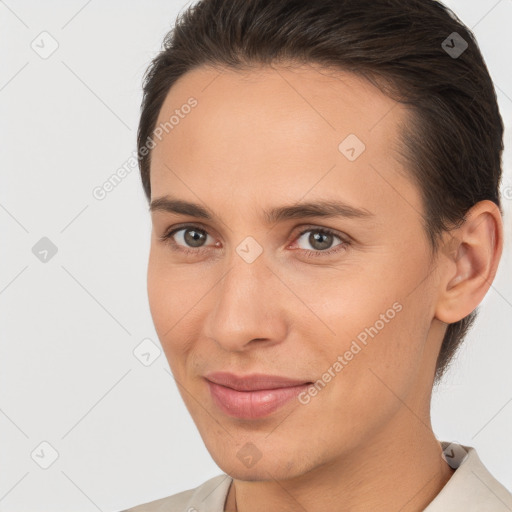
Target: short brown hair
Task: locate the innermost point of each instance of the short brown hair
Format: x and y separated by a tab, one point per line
452	146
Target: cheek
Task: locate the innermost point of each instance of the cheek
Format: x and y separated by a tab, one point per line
354	303
373	378
166	298
176	296
389	361
157	289
381	319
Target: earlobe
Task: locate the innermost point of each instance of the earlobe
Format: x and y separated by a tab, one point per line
468	262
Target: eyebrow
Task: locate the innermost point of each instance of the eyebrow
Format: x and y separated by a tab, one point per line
320	208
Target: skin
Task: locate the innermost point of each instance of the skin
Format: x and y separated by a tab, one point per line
268	137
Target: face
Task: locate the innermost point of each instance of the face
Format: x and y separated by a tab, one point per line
338	296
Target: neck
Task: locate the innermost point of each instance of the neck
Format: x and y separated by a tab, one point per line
400	468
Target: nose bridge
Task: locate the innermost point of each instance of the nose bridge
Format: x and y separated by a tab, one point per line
246	301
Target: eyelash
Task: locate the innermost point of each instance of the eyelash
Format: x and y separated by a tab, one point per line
167	238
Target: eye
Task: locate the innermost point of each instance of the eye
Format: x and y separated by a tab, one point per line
321	239
192	239
187	239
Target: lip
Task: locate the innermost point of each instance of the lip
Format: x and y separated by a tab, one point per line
252	396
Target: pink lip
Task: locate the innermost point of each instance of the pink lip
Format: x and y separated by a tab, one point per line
252	396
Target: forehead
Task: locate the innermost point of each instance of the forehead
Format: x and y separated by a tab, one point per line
280	125
305	101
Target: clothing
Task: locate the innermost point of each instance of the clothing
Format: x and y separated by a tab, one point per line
470	489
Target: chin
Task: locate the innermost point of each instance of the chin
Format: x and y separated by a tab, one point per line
265	469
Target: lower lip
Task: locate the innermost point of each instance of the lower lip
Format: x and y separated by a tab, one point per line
252	404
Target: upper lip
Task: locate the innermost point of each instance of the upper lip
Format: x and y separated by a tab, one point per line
253	382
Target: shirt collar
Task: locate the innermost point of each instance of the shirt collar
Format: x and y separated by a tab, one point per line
471	488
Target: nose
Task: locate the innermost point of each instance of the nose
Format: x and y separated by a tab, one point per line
249	307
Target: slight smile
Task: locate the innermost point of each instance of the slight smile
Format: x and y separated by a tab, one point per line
252	396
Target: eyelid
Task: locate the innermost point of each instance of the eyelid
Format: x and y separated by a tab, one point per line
302	229
185	225
315	227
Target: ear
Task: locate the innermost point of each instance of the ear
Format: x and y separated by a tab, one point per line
468	262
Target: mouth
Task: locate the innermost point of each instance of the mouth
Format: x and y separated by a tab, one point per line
252	396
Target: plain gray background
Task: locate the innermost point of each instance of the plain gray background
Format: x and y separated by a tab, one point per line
69	324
